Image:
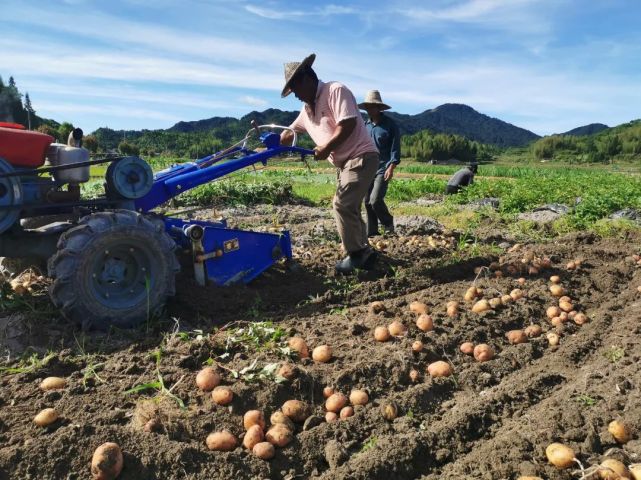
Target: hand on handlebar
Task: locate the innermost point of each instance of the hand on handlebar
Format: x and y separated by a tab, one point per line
321	152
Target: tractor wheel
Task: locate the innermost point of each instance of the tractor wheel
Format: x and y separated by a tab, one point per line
115	268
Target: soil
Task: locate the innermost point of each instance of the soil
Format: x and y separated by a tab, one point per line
489	420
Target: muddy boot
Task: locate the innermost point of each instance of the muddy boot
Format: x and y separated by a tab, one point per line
363	259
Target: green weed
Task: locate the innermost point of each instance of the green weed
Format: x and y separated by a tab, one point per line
614	353
368	444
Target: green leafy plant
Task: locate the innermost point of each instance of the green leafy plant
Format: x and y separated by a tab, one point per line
368	444
614	353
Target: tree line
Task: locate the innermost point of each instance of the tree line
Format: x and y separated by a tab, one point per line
425	146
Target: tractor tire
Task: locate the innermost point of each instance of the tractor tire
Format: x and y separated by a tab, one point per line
115	268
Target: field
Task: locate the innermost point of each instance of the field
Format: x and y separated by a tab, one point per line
488	420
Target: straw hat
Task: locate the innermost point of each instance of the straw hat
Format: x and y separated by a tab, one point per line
373	97
292	68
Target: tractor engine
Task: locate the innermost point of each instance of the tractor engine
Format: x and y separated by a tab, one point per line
27	192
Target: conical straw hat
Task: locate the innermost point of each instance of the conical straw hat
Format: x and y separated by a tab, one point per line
292	68
373	97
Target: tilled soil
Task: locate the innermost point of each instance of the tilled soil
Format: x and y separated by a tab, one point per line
490	420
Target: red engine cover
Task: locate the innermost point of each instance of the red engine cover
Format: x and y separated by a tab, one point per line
23	148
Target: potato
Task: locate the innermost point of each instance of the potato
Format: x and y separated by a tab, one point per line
495	302
377	307
452	303
322	354
533	331
571	265
222	395
253	417
381	334
221	441
521	281
298	345
552	312
564	316
264	450
565	298
620	431
557	290
516	336
470	295
572	314
328	392
439	369
481	306
346	412
331	417
389	410
296	410
483	352
560	455
566	306
414	375
498	274
612	469
555	279
279	435
417	346
467	348
505	299
532	270
53	383
452	310
516	294
279	417
46	417
396	328
335	402
207	379
424	322
580	318
557	321
253	436
528	477
419	308
553	338
639	289
107	461
287	371
635	471
358	397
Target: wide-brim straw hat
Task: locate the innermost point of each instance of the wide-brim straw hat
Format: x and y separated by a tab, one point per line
292	68
373	97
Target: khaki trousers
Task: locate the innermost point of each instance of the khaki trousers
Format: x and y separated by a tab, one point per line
353	182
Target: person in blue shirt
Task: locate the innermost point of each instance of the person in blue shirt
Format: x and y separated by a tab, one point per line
387	138
461	179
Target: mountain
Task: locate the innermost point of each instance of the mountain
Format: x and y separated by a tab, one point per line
465	121
590	129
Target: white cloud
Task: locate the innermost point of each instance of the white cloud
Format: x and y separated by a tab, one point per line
285	13
254	101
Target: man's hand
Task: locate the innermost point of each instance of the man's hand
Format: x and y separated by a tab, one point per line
286	138
321	152
389	172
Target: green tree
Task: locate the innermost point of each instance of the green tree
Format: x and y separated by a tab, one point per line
127	148
90	142
64	130
48	130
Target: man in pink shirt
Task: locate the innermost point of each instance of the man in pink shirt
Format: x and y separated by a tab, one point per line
331	117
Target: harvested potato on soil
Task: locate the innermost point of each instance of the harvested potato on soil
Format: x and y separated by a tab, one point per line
287	371
377	307
557	290
222	395
107	462
322	354
46	417
452	310
397	329
481	306
331	417
555	279
495	302
299	345
279	417
611	469
505	299
635	471
296	410
483	352
559	455
533	331
516	294
417	346
328	392
425	323
620	431
553	338
264	450
381	334
389	410
53	383
279	435
566	306
358	397
221	441
253	435
516	336
552	312
414	375
439	369
207	379
580	318
521	281
335	402
467	348
253	417
346	412
419	307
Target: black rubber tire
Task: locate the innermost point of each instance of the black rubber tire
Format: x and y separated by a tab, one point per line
83	293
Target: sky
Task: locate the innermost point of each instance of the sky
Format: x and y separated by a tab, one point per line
544	65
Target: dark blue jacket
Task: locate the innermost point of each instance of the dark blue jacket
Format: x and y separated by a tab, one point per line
387	138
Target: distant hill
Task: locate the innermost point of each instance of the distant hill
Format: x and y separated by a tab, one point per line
465	121
590	129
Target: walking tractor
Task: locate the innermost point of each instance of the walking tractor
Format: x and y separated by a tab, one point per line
112	261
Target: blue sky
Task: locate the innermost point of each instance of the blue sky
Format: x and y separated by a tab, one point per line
545	65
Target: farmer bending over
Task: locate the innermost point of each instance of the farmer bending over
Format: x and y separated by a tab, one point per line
462	178
331	118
